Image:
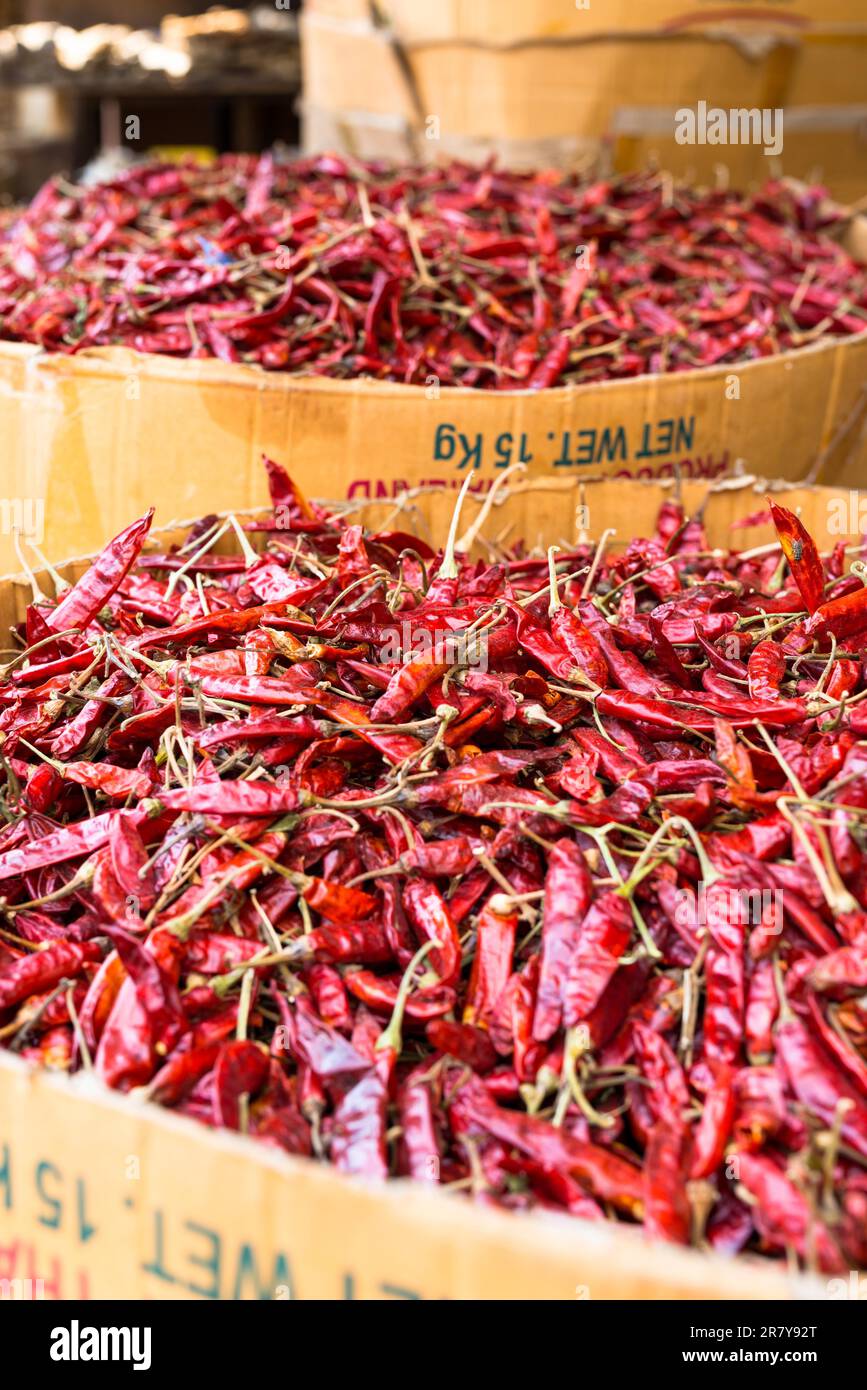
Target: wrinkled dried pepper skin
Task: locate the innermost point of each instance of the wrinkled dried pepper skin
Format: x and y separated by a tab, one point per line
586	929
236	259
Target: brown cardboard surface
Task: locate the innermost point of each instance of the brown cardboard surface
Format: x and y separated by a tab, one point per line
508	21
534	90
96	438
561	99
102	1196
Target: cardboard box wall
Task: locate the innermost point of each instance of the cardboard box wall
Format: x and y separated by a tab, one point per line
554	97
90	441
103	1196
511	21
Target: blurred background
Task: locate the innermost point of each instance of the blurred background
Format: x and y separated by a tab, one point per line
72	73
593	83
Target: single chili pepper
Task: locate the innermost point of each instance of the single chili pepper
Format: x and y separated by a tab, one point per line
783	1214
429	915
568	894
329	996
233	798
763	1006
240	1070
714	1128
818	1085
69	842
724	1007
840	617
800	550
492	962
766	668
419	1139
604	935
29	974
84	600
348	943
666	1160
380	992
99	999
358	1130
668	1093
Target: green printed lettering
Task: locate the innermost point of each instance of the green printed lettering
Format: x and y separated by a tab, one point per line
565	460
685	433
210	1263
444	443
665	436
586	446
156	1266
6	1176
472	453
44	1170
645	450
85	1230
612	446
264	1288
503	450
395	1291
349	1286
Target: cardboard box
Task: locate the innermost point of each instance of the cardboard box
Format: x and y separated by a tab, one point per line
510	21
476	84
90	440
102	1196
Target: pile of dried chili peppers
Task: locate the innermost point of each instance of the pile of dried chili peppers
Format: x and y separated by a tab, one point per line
473	276
540	878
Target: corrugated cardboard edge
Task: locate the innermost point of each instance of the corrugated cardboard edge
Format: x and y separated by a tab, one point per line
397	1236
628	507
118	363
753	34
526	18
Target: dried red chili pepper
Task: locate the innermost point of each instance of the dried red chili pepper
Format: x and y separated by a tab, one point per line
224	261
511	920
568	894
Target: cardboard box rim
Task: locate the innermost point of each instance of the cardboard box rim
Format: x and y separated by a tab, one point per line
122	361
433	1233
89	435
461	21
693	492
569	1251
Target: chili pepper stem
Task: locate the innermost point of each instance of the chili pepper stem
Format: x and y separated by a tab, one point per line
574	1048
391	1037
709	874
468	539
835	892
449	567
